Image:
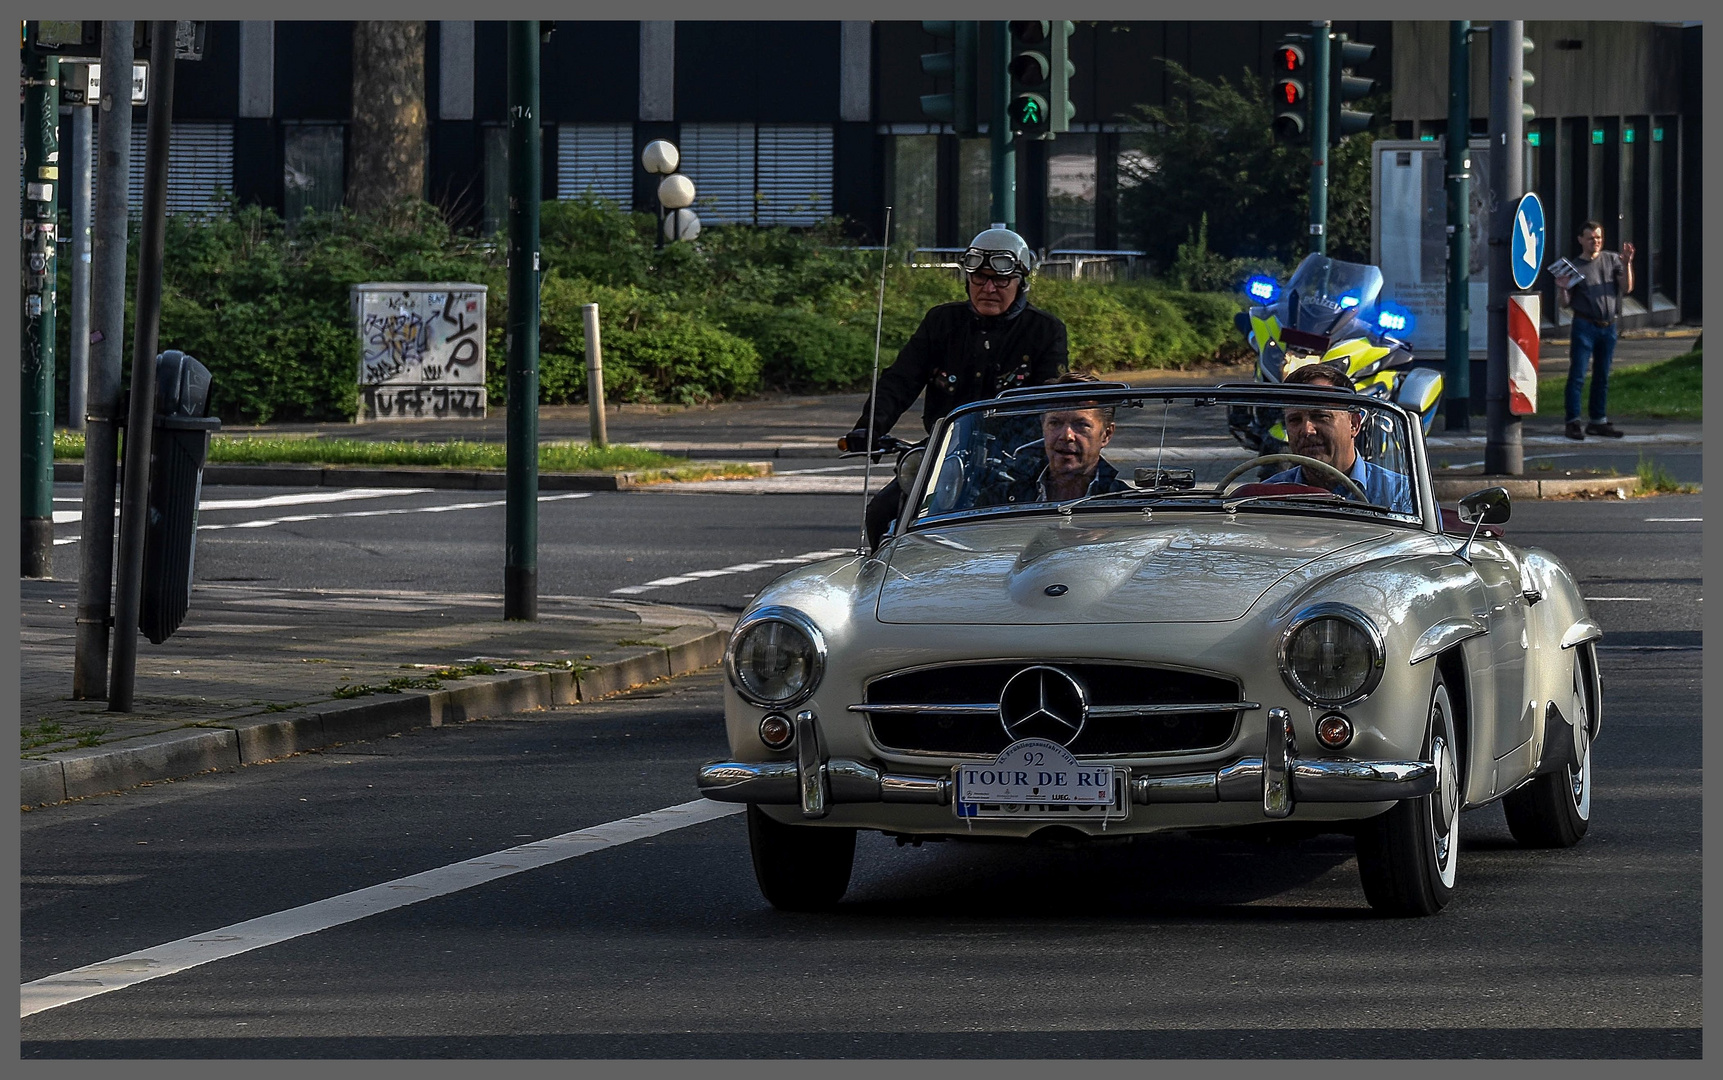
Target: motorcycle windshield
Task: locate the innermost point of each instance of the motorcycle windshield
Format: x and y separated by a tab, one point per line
1324	295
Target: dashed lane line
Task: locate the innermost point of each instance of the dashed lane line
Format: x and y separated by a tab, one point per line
296	498
264	523
739	568
242	937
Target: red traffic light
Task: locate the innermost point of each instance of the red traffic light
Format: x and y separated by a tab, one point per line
1289	58
1289	92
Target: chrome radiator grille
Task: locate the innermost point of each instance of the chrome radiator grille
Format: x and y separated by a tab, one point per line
1131	709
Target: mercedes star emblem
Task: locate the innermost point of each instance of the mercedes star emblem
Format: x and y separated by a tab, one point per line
1043	702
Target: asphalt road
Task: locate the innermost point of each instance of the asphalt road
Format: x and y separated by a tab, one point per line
1172	947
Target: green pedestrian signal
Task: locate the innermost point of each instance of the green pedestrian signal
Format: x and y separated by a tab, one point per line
1031	78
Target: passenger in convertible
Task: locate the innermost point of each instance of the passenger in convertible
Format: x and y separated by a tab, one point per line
1331	436
1068	464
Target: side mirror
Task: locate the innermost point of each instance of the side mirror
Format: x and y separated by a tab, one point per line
908	465
1242	321
1490	506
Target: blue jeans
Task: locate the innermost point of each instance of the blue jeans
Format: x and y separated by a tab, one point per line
1594	343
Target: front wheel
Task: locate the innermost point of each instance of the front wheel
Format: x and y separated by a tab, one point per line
800	867
1554	810
1407	857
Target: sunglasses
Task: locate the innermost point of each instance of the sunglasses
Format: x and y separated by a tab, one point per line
1000	262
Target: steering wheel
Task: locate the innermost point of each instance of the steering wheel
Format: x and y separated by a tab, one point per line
1347	482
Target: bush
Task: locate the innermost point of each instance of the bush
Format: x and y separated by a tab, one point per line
267	308
801	350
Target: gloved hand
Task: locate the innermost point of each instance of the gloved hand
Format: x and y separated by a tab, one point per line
855	442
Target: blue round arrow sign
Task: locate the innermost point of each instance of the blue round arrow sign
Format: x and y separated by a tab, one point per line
1527	250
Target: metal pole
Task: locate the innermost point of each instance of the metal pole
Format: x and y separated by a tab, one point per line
1319	137
40	209
1004	142
1503	453
140	421
77	400
520	562
594	376
1459	350
101	436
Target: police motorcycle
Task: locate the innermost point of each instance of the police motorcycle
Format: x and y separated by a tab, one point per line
1331	311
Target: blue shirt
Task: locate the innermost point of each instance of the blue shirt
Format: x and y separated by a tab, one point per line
1382	487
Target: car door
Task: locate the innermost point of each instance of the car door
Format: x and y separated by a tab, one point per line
1498	568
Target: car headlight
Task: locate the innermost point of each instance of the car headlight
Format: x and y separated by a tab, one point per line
776	657
1331	655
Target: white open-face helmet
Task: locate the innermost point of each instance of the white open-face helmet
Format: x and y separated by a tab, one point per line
1000	250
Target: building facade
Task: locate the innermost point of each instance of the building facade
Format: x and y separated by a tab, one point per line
790	122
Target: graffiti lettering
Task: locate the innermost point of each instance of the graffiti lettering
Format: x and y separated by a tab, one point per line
421	402
420	336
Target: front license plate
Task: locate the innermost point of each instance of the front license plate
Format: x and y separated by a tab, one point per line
1033	777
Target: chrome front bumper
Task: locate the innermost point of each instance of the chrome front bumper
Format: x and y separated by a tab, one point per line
1279	778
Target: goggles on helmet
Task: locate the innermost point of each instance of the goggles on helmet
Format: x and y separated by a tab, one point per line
1000	262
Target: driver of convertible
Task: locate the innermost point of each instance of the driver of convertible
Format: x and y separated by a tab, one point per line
1070	464
1331	436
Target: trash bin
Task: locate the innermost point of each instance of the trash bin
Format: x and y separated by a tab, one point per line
179	446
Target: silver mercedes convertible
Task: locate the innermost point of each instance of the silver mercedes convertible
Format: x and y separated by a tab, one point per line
1098	616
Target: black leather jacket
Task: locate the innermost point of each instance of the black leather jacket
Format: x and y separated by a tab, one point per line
959	357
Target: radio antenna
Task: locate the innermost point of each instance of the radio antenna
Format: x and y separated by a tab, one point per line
873	383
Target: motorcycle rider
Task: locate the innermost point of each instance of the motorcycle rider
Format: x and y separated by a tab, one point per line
965	351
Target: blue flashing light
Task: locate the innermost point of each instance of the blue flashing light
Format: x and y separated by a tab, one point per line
1348	301
1394	319
1262	288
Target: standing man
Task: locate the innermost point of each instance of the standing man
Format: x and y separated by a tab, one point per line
1594	293
963	352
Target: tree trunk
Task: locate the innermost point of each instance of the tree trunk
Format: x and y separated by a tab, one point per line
387	140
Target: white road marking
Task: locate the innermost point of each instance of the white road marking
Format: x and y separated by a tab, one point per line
264	523
739	568
62	517
300	497
1676	519
175	956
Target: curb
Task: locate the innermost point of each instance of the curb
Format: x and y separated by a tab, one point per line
1451	489
72	472
174	755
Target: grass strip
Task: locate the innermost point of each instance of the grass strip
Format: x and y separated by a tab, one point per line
1668	390
261	450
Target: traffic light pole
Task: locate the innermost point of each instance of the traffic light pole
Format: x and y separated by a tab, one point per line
146	322
41	213
101	433
999	129
520	560
1503	452
1459	331
1319	137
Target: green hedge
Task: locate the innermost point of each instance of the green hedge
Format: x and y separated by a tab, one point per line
740	310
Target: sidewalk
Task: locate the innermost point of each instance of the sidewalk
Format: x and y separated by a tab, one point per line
260	673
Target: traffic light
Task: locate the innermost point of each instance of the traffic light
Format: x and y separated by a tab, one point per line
1343	86
1030	112
1291	91
1526	80
958	61
1060	107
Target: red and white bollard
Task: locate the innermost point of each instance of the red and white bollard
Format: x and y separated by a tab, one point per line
1524	311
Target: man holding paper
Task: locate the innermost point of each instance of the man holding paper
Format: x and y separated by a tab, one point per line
1592	285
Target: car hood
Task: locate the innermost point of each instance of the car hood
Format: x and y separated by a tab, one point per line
1197	569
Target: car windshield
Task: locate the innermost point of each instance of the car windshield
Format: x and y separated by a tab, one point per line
1116	449
1324	293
